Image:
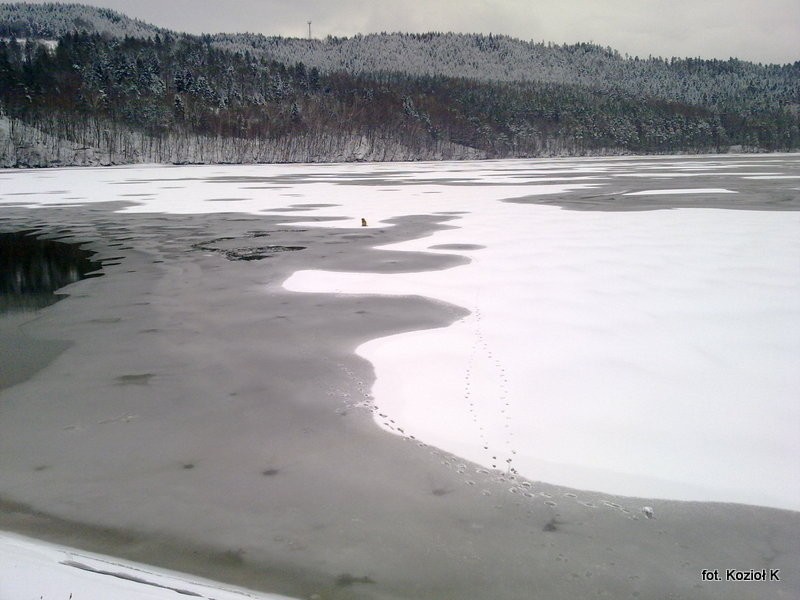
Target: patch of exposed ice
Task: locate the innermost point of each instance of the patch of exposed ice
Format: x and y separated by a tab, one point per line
771	176
675	192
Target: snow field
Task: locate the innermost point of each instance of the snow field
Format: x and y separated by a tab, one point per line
644	354
34	569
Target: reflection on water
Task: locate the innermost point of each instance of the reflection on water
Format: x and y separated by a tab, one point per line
32	269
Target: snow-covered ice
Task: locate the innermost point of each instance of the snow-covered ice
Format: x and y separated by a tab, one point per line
32	569
642	353
648	354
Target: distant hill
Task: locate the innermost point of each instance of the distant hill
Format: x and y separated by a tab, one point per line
120	90
714	83
51	21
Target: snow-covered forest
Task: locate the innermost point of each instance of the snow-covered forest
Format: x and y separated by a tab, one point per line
726	84
116	90
51	20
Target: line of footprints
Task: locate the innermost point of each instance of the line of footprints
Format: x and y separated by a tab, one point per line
482	359
502	460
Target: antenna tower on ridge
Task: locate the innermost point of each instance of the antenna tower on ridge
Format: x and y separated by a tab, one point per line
309	30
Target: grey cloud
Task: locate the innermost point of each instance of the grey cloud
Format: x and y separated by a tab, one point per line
758	30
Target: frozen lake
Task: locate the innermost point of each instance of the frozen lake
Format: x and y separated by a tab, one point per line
647	353
544	340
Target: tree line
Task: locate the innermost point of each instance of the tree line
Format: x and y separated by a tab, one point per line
167	97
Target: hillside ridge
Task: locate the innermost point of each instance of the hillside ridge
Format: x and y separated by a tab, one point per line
435	95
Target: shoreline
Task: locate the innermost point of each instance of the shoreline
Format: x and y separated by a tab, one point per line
412	162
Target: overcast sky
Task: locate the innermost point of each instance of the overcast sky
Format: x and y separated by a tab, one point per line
757	30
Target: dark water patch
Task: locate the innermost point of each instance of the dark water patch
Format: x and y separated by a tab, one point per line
315	205
259	253
32	269
457	247
247	253
282	210
247	248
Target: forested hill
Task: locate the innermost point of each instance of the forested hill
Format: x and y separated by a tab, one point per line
721	84
113	89
51	21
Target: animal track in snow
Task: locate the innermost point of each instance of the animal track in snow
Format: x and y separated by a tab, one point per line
488	402
487	399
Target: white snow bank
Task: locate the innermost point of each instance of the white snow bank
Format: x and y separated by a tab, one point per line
32	569
644	353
